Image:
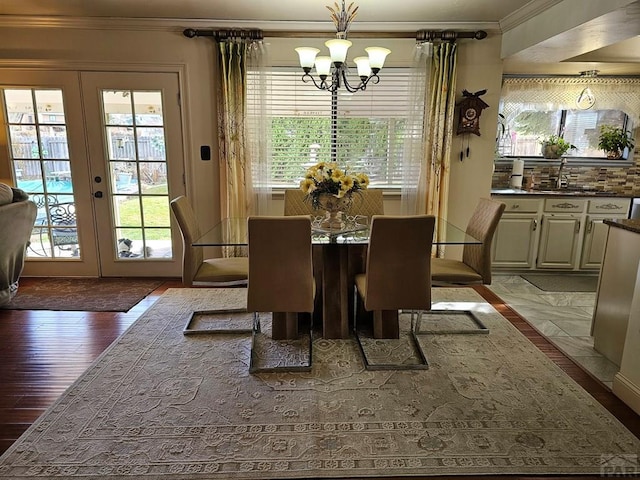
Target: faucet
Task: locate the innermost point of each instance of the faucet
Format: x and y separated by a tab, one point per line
558	179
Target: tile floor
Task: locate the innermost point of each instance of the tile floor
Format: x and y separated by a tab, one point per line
563	317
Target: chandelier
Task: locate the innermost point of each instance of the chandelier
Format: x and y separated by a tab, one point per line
335	64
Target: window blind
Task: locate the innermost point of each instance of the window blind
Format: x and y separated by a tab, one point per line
371	126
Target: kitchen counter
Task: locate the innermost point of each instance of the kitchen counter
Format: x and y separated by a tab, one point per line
569	192
626	224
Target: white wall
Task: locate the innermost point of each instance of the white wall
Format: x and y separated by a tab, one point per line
166	49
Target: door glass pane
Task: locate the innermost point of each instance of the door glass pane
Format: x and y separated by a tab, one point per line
148	107
121	143
49	106
117	107
151	143
42	168
135	138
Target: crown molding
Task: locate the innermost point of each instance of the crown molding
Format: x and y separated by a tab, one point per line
527	12
170	24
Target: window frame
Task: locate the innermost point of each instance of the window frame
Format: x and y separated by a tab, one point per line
393	150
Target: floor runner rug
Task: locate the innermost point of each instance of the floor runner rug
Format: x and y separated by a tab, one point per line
563	283
82	294
164	405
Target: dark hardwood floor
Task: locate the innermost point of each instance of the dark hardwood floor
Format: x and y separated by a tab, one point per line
43	352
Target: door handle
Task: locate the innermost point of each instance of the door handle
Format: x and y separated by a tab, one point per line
98	194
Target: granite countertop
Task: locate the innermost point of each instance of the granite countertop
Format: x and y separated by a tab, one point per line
569	192
624	223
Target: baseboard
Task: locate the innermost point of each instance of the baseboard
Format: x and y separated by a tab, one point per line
627	391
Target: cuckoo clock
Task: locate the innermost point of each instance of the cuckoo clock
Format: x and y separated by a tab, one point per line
470	108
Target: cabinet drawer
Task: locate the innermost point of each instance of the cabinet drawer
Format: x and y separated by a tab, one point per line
617	206
520	205
565	205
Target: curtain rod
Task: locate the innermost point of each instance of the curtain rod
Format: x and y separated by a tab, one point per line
420	35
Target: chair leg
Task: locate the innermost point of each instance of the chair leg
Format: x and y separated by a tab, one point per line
423	365
289	318
480	327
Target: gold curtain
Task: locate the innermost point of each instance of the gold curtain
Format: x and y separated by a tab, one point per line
242	133
233	161
439	131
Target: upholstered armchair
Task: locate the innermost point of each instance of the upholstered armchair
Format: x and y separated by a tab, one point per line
16	224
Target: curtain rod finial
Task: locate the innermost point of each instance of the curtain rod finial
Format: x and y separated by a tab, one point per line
480	34
189	32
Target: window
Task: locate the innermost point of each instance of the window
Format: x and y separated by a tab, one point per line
367	130
536	108
522	136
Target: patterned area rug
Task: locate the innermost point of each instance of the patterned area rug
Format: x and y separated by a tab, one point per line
563	283
81	294
161	404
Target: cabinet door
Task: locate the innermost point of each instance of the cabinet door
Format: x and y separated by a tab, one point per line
558	241
595	237
514	241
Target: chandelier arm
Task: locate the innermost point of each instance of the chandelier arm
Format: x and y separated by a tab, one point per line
347	85
320	86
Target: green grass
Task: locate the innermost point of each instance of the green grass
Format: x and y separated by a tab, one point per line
156	214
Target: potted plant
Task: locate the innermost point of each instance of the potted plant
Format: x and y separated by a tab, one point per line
555	146
613	140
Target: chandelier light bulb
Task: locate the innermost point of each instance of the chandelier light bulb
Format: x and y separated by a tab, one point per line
338	49
364	70
307	56
377	56
323	65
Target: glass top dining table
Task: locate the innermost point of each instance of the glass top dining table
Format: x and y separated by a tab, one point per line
338	256
233	232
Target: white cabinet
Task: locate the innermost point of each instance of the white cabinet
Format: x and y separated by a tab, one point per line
558	242
595	234
553	233
560	233
595	238
515	238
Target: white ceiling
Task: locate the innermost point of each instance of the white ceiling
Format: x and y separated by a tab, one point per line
608	42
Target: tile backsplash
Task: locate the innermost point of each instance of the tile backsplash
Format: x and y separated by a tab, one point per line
623	180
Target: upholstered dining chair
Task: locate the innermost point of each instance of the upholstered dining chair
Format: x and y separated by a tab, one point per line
366	203
295	203
200	271
397	276
475	266
280	279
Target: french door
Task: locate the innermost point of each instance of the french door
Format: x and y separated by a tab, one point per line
101	154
